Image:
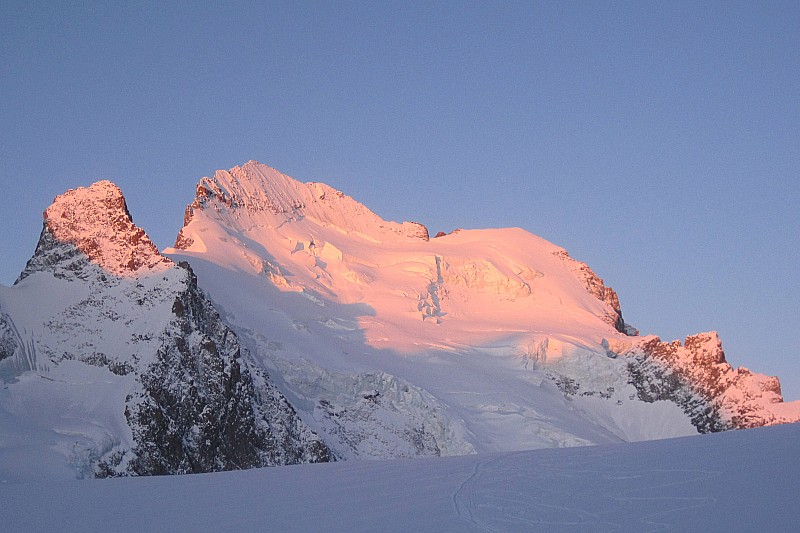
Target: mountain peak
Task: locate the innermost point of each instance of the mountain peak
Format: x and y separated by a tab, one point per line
94	223
275	198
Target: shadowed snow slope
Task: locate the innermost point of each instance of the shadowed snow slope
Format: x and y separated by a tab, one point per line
735	481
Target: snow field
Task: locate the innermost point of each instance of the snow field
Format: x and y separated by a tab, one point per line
735	481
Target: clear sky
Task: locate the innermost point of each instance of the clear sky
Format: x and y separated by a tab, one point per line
657	141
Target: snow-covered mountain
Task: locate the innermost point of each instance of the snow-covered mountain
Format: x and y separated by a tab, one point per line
114	362
332	334
511	343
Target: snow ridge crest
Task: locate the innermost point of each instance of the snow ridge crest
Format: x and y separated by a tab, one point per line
258	189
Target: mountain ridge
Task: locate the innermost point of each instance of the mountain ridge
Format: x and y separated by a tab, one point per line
257	187
453	272
292	324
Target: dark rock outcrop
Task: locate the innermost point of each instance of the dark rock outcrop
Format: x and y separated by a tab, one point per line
697	377
202	408
8	339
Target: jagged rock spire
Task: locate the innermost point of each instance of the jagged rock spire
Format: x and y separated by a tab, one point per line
93	224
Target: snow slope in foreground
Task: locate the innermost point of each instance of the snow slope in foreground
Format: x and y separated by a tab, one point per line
739	481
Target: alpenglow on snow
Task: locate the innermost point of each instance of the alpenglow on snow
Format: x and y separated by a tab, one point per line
290	324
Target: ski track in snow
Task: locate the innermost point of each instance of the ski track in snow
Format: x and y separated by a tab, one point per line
680	503
462	497
489	512
479	501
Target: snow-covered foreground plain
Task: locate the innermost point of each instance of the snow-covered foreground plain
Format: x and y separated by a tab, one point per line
745	480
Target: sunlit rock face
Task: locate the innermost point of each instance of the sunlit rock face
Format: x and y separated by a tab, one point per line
716	395
131	353
93	223
594	284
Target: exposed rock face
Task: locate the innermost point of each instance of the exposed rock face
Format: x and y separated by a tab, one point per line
697	376
8	341
595	286
195	404
202	408
93	223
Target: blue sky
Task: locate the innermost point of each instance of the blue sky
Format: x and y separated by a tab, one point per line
656	141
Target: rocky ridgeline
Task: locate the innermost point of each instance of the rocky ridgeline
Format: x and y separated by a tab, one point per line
595	286
697	377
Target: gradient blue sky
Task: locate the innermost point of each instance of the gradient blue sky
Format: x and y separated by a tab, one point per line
657	141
